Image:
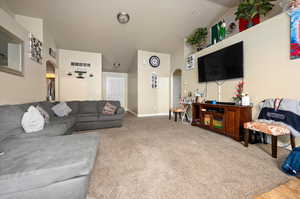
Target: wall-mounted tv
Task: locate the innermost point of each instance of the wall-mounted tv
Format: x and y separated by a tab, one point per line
227	63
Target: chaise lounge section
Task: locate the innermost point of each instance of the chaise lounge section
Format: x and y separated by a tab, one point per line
52	163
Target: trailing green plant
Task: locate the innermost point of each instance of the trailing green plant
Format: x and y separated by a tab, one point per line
199	38
248	9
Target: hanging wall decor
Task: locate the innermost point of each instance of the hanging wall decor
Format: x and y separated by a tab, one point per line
36	49
52	53
295	37
154	80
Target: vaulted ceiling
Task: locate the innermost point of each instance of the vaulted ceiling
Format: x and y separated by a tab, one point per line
155	25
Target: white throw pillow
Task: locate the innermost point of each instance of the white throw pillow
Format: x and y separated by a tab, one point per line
32	120
61	109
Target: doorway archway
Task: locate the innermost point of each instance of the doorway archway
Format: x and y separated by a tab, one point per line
177	87
51	80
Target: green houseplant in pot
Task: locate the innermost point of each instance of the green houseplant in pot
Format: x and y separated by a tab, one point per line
248	9
198	39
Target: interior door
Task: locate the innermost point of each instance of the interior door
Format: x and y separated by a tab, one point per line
115	89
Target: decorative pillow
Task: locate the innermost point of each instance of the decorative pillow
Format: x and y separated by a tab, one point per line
61	109
32	120
109	109
44	113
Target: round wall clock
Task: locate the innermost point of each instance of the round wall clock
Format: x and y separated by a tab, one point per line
154	61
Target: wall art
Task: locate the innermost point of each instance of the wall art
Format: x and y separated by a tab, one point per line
295	36
36	49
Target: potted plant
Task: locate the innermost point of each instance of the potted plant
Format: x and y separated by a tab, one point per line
198	39
248	9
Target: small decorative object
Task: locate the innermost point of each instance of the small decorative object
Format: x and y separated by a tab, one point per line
218	32
250	9
295	37
36	49
190	62
198	39
239	93
154	61
231	28
222	30
245	100
52	53
154	80
69	74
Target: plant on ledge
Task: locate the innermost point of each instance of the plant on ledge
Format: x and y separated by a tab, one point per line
198	39
248	9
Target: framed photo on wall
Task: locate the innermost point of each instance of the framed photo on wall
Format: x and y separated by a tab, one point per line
295	36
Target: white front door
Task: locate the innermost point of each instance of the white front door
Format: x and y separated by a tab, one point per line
115	89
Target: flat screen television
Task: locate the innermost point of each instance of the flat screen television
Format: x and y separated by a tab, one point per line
227	63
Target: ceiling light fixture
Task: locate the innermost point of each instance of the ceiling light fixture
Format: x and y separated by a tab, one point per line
116	65
123	17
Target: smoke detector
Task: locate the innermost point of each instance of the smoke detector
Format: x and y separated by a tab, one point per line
123	17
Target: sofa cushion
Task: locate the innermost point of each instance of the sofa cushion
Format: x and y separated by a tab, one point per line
74	105
103	102
28	164
49	130
69	121
87	117
10	118
88	107
47	106
109	109
110	117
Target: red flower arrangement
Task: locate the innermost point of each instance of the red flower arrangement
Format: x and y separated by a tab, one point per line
239	92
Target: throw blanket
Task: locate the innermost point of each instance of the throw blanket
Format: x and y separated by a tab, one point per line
283	111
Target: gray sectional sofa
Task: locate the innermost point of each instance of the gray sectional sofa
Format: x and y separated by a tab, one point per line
52	163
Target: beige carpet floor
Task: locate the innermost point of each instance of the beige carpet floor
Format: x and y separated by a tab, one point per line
154	158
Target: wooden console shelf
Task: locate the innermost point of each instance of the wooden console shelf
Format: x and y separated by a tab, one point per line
224	119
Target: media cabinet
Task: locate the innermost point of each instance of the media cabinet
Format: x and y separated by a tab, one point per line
224	119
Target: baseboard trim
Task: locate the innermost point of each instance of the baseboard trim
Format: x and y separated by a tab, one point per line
132	112
153	115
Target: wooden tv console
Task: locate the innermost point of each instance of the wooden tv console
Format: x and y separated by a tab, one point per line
224	119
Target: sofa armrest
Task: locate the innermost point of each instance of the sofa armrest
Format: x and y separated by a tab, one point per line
120	111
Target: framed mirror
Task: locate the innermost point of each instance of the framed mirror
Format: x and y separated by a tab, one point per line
11	53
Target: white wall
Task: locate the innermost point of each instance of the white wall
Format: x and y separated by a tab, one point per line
269	72
33	25
72	88
124	76
133	87
15	89
153	101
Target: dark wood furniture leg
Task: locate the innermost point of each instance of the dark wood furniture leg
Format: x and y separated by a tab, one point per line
170	114
186	117
246	137
274	146
175	116
293	143
264	138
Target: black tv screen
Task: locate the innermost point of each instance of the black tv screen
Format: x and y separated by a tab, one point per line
227	63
